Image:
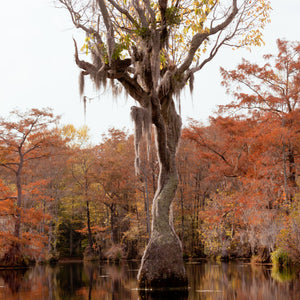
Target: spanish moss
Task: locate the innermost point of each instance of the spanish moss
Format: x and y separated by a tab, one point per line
142	127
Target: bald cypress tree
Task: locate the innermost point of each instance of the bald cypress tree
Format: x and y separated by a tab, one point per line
153	49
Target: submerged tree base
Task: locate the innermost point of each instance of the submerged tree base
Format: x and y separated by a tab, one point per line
162	266
165	282
162	294
14	258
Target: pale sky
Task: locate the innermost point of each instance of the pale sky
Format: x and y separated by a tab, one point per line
38	68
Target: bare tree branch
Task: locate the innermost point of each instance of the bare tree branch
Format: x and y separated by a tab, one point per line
122	11
109	30
199	38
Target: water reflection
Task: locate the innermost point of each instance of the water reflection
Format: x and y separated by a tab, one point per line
283	274
164	295
13	279
118	282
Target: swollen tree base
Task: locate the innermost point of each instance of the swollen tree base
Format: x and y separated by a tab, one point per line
162	266
14	257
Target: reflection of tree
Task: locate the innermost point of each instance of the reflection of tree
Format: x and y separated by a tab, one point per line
118	282
90	271
236	281
283	274
70	279
118	278
13	278
114	281
164	295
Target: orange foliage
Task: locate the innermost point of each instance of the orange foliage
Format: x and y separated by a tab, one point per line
253	157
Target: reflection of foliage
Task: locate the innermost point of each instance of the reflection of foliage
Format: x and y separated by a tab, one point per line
118	281
283	274
70	278
280	258
13	278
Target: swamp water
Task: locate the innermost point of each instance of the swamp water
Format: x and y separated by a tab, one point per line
78	281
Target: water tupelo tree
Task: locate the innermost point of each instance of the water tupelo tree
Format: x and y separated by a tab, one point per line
153	49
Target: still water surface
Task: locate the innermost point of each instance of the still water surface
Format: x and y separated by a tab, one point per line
78	281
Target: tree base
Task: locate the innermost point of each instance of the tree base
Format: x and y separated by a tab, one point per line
14	258
162	266
263	256
89	254
163	294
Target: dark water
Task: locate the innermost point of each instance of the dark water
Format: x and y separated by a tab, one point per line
118	282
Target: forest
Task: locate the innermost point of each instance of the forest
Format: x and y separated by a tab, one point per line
64	197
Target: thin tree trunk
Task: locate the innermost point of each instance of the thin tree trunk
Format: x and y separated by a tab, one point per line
71	230
14	257
19	197
55	225
182	217
292	167
19	202
286	189
89	225
71	238
90	246
113	225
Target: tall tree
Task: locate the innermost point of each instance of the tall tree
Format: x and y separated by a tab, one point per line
22	139
272	90
78	181
115	176
152	49
83	177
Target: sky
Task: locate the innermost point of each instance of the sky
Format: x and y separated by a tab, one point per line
38	68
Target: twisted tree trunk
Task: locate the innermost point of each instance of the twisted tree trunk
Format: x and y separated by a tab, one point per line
162	263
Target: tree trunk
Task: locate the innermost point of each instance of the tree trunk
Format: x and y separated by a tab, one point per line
14	256
292	167
71	230
162	263
182	217
71	239
113	224
19	198
90	238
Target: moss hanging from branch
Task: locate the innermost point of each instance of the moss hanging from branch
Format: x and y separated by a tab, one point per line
192	83
81	83
142	127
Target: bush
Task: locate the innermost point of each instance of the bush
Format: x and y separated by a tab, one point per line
280	259
114	253
289	237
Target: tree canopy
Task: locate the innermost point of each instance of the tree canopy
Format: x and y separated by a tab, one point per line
272	92
156	47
